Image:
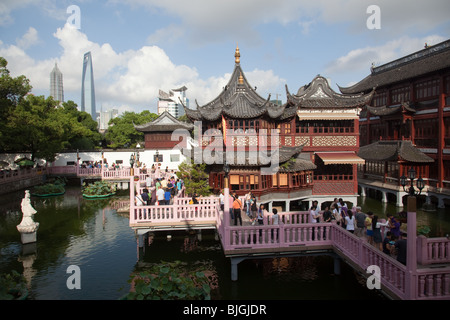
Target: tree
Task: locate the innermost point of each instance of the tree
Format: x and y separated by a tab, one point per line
122	134
87	135
34	126
38	125
12	92
195	178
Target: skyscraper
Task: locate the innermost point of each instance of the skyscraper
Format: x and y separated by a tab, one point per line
56	84
87	87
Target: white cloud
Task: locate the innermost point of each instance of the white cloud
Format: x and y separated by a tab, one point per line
29	39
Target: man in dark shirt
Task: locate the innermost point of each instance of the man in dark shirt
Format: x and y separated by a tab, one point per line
145	197
400	245
327	215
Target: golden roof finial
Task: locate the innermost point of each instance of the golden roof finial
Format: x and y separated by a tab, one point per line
241	79
237	55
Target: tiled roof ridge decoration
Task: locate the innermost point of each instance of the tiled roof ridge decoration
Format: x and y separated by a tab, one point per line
319	94
421	54
419	63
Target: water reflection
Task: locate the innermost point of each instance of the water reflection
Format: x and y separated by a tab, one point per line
438	221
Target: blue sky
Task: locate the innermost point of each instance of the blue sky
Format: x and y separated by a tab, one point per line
141	46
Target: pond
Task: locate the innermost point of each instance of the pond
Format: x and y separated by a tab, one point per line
95	237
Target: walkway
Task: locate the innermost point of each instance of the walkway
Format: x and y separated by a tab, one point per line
430	279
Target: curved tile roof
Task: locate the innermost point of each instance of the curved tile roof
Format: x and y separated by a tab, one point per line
388	110
238	100
393	151
318	94
164	123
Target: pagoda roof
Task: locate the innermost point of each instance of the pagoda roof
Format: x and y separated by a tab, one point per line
425	61
164	123
319	95
393	151
239	100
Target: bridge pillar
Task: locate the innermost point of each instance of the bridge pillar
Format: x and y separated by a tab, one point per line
234	267
363	191
337	265
384	197
141	235
441	203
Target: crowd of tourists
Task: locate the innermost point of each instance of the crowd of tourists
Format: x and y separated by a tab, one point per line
391	240
159	191
385	235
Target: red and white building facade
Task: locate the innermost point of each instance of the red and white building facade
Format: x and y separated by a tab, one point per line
408	123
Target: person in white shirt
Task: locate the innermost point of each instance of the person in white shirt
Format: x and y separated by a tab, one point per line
221	198
275	221
314	213
160	196
148	181
350	222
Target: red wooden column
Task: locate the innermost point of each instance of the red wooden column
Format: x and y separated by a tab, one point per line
441	140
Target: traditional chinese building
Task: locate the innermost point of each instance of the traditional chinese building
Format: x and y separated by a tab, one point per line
407	124
165	138
309	143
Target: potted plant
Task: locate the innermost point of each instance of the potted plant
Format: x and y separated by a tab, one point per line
13	286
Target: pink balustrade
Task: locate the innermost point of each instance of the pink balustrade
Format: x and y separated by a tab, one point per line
89	172
204	212
62	170
116	174
21	174
433	250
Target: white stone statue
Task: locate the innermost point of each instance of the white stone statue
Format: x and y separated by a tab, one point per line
27	225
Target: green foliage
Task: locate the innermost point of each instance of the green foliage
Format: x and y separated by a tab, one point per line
169	281
195	178
288	163
423	230
49	188
12	286
12	90
122	133
98	188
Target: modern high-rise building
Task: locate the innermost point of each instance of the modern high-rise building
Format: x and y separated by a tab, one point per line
56	84
87	87
173	101
105	117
